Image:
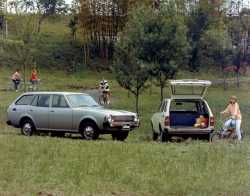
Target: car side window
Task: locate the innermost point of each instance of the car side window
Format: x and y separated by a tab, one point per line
25	100
43	101
59	102
34	102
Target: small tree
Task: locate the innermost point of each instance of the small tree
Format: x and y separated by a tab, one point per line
159	39
216	48
130	73
163	43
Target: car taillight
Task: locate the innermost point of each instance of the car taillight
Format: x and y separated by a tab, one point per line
212	121
167	121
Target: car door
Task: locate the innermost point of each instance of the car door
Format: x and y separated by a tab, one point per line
60	114
39	110
158	117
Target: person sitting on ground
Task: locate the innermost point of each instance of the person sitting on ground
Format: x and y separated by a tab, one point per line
233	110
16	78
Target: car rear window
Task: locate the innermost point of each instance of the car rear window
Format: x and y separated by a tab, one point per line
25	100
59	102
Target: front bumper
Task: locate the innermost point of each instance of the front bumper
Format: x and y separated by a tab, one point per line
119	126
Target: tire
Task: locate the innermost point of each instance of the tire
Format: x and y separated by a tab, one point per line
89	131
27	127
121	136
163	135
155	135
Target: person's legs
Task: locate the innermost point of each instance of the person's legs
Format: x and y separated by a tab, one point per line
226	126
15	84
237	129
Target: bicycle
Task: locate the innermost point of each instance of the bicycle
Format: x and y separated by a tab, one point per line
230	134
104	98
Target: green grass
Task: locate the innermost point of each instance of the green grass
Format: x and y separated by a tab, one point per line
70	166
75	167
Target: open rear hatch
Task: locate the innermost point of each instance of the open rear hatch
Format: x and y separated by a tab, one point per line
188	112
192	87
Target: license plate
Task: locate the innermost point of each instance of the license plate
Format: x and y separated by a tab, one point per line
125	127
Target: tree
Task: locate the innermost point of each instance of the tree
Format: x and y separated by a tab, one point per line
46	8
201	15
160	40
130	73
21	48
216	48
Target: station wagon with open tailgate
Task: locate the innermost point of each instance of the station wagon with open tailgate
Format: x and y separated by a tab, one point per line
178	114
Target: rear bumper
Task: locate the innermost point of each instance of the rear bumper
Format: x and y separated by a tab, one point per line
183	131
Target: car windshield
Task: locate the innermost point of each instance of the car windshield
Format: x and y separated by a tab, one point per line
80	100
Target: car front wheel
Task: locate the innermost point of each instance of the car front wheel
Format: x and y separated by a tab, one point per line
120	136
27	128
89	131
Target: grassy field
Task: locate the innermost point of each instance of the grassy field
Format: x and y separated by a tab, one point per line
71	166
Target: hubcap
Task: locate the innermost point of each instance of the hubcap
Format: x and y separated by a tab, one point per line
27	129
89	132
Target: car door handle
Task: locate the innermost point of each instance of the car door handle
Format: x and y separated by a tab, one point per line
14	109
52	111
31	110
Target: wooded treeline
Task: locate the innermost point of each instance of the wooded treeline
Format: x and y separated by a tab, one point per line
217	31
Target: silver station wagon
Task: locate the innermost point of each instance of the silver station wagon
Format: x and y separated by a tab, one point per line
186	113
63	112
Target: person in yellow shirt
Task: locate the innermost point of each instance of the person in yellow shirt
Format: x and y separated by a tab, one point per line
233	110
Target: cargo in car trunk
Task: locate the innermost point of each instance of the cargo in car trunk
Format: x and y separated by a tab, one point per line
184	113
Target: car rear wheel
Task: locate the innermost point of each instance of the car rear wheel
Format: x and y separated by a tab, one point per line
120	136
163	135
27	127
155	135
89	131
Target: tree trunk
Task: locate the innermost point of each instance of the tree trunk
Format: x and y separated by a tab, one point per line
162	96
151	86
137	103
162	87
40	21
238	78
24	77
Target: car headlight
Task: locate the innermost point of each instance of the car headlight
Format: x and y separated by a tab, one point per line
136	119
109	119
